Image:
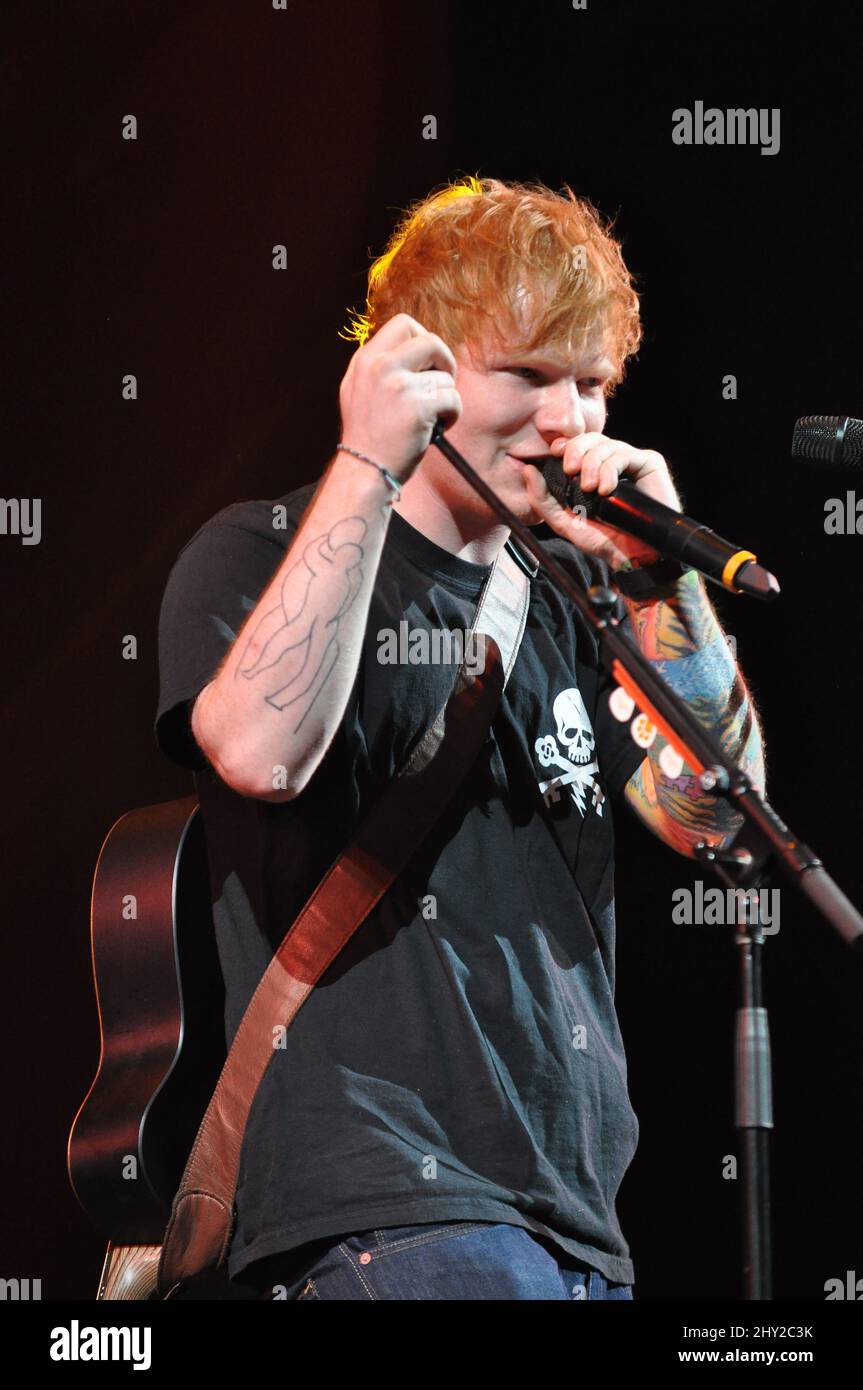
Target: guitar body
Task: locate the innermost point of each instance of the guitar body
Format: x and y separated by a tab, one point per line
160	997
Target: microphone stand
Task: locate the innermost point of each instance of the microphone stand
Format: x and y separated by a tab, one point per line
762	844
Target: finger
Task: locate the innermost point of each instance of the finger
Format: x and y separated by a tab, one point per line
630	463
559	518
591	464
398	329
447	405
429	382
416	354
537	488
578	448
609	475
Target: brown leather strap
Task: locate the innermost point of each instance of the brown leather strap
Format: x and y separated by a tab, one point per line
200	1226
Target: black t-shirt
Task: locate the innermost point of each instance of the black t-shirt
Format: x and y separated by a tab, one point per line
461	1058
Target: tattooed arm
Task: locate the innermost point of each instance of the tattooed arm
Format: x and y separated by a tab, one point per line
684	641
281	691
269	715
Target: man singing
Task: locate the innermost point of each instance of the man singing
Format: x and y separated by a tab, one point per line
448	1117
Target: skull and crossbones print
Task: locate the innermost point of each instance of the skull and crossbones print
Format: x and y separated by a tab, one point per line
578	768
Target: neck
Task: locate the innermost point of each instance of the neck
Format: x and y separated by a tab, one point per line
472	533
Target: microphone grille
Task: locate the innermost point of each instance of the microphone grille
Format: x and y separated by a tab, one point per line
562	487
828	439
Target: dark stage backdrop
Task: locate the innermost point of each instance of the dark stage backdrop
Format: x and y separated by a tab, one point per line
305	126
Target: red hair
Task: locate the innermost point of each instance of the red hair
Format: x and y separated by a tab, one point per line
464	260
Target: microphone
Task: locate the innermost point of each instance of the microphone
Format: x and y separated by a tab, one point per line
835	440
675	536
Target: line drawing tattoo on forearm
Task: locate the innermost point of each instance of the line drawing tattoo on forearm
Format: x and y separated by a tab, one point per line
297	641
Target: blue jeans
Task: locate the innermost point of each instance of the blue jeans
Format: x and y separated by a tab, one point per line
441	1260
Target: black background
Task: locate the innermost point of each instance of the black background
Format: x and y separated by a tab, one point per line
154	257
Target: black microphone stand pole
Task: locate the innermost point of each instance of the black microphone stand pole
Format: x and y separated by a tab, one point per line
763	843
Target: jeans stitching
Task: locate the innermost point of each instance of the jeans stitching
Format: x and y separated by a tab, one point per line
595	1286
349	1256
410	1242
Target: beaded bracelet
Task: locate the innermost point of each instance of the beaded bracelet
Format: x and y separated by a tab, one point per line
388	477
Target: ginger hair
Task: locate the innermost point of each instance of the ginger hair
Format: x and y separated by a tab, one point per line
482	262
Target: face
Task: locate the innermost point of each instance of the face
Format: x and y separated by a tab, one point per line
514	405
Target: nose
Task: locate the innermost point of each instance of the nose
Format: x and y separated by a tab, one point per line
561	412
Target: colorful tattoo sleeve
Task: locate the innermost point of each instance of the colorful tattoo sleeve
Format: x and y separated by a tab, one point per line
684	641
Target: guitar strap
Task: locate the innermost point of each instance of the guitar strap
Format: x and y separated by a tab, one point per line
202	1214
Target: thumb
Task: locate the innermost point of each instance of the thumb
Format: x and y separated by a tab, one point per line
541	499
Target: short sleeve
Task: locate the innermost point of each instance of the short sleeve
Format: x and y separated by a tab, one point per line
214	585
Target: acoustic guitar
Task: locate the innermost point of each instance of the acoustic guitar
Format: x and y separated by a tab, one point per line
160	997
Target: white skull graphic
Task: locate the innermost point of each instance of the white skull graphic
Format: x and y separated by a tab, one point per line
573	725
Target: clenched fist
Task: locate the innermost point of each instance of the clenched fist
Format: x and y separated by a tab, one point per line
395	389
